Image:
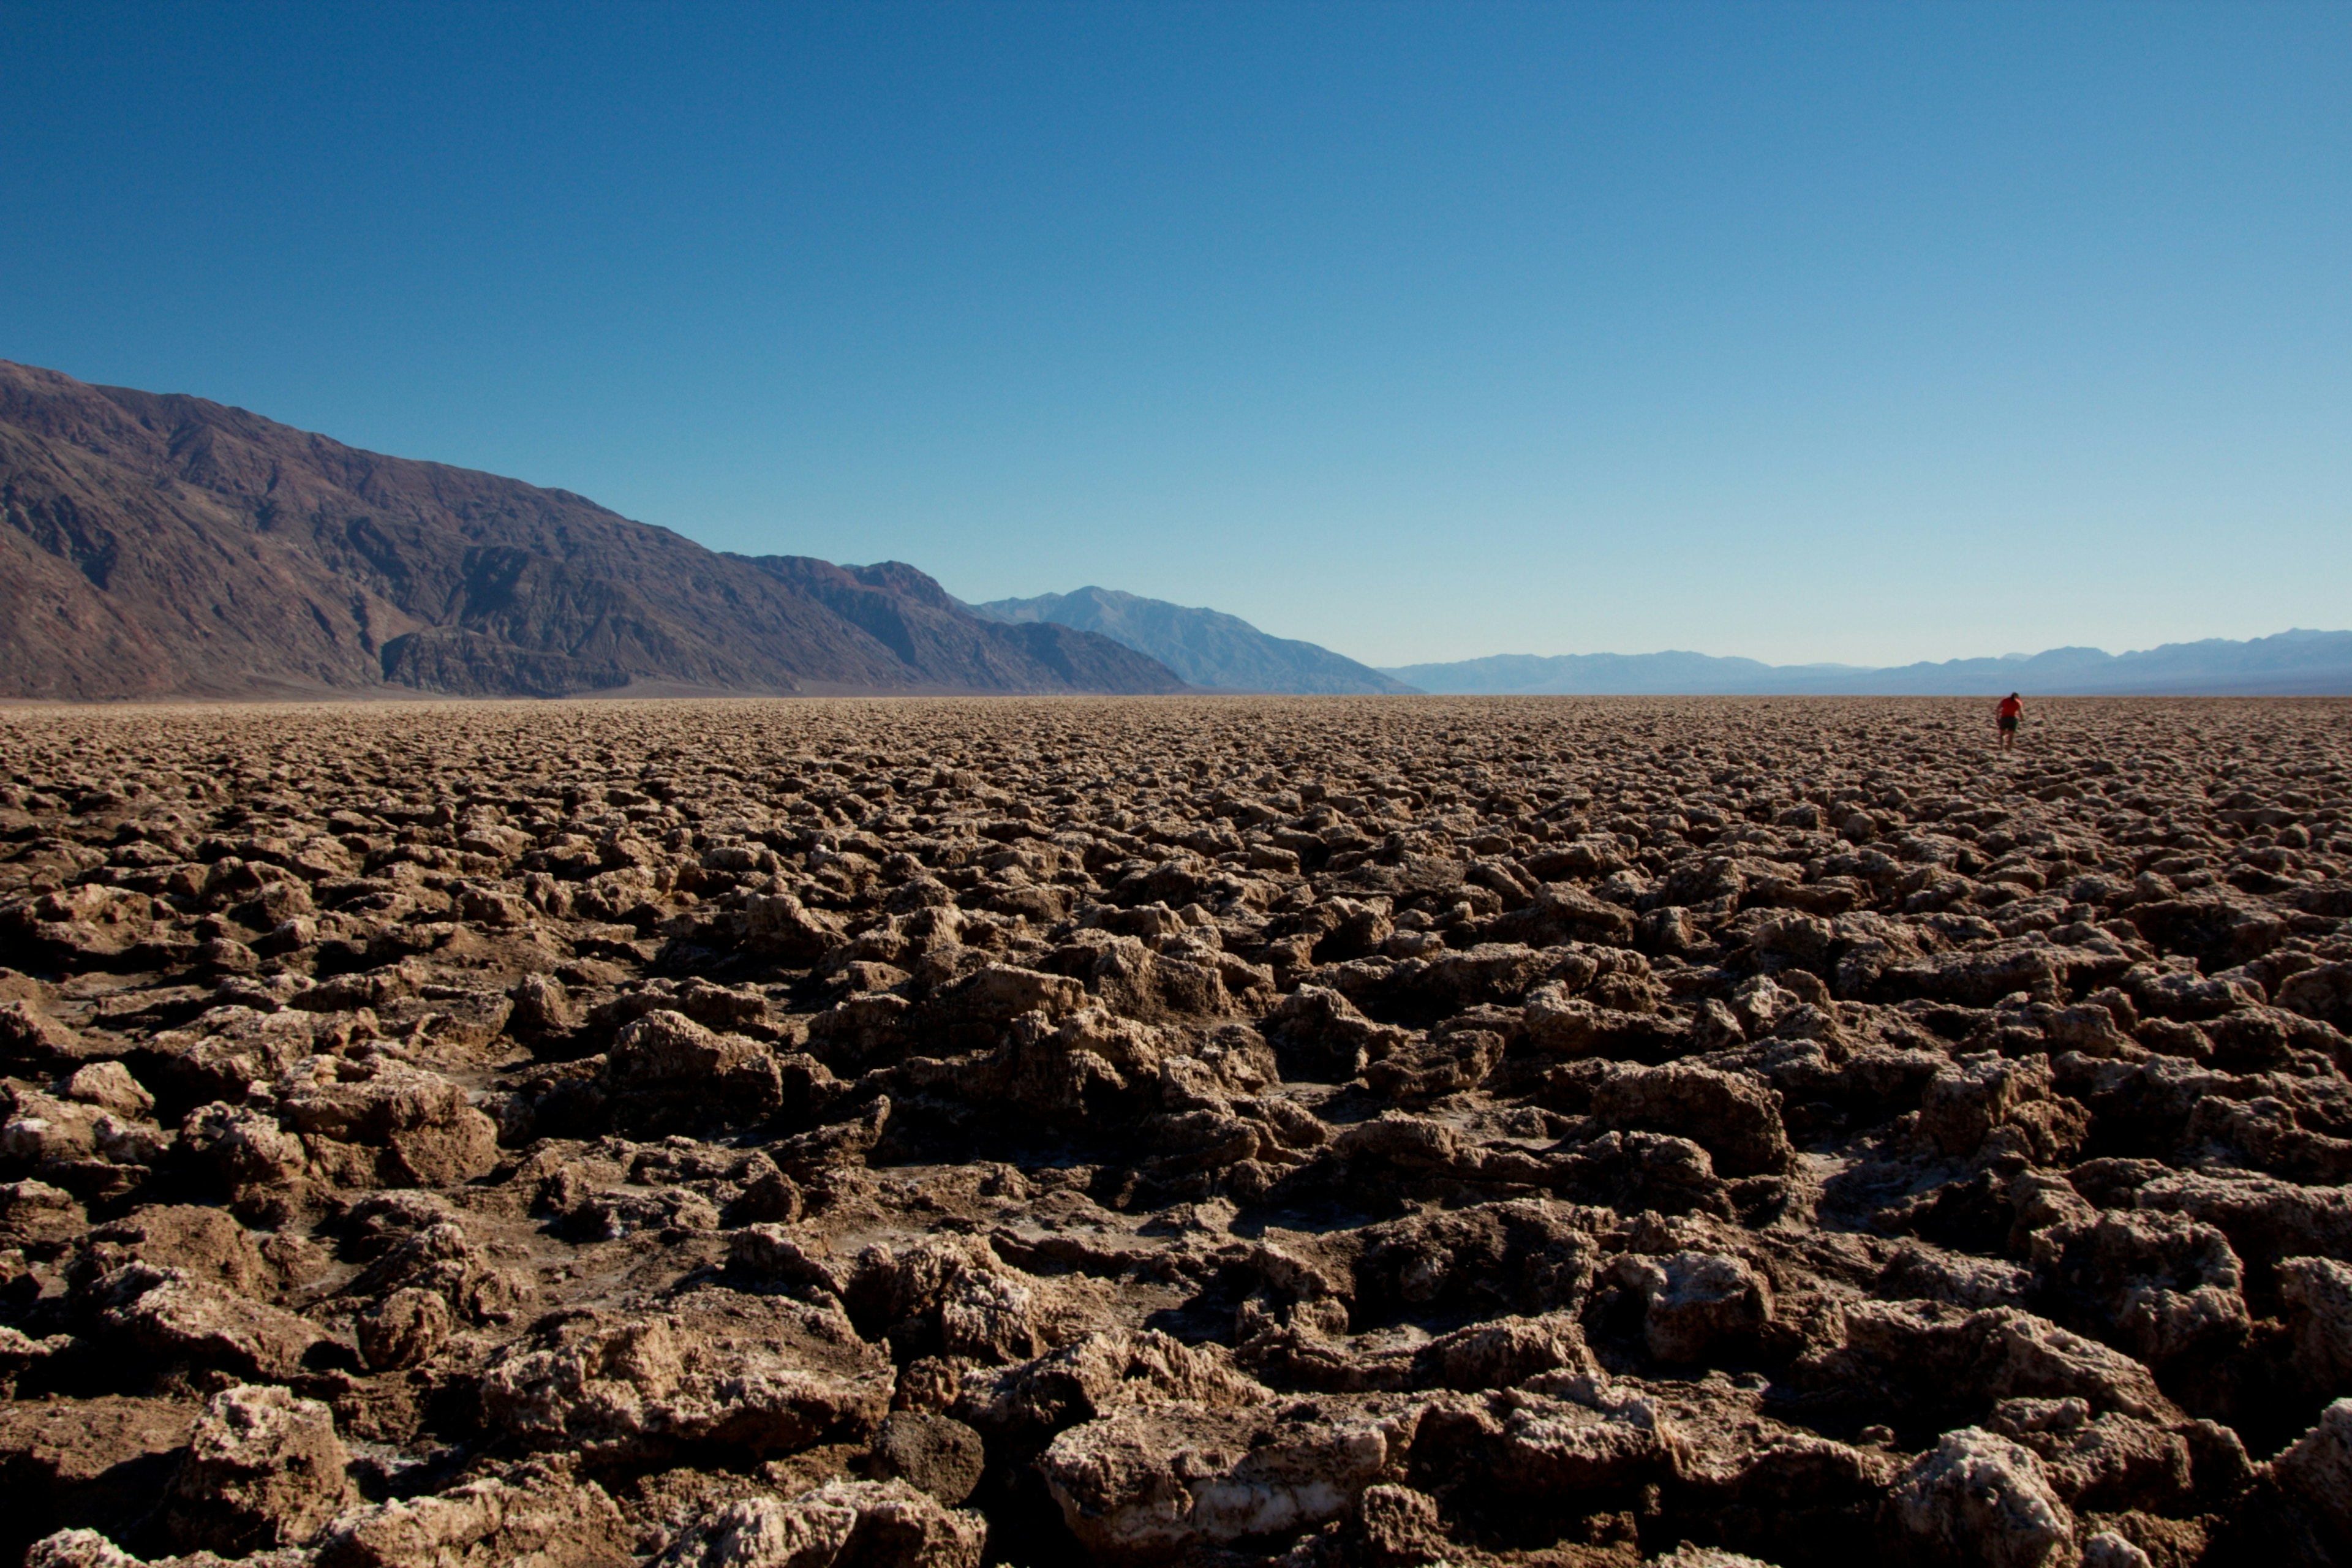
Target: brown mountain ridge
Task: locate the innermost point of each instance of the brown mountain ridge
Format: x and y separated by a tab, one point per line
158	546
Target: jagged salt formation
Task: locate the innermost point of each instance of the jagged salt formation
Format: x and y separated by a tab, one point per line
1344	1133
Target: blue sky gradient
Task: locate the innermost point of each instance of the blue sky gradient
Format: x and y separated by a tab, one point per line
1865	333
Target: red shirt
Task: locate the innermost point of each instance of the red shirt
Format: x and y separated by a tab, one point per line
2011	707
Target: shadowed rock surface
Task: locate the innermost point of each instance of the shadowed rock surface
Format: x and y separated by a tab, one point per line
159	546
1336	1134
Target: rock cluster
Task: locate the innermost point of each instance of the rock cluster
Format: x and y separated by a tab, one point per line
1339	1133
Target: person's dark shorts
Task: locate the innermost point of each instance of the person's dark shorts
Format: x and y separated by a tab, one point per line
2009	721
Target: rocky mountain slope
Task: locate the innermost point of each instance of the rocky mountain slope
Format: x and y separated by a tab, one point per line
158	546
2292	664
1207	647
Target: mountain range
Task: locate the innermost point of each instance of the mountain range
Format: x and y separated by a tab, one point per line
165	546
156	546
1207	647
2292	663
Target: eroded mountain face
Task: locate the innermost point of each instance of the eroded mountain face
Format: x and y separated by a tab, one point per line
159	547
1339	1133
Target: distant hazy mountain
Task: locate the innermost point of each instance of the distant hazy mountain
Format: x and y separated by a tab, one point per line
1207	647
1521	674
2292	664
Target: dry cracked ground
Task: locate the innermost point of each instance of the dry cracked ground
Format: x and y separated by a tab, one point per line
1324	1132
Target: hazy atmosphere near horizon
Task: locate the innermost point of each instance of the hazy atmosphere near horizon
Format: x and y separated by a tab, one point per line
1856	334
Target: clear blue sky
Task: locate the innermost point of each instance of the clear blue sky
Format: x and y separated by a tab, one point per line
1860	332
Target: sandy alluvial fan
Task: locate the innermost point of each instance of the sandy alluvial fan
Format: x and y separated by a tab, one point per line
1334	1133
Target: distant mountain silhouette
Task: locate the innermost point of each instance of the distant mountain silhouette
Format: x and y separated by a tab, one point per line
1207	647
2293	663
165	546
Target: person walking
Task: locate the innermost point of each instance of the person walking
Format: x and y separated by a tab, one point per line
2009	712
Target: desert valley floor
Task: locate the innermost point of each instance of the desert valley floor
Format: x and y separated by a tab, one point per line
1330	1132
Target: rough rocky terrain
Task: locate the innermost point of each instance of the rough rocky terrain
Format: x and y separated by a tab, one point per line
163	546
1343	1134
